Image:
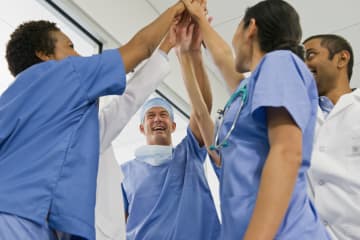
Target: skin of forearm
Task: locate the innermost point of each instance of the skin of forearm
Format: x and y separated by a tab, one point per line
221	54
277	183
143	44
152	34
165	47
198	67
200	110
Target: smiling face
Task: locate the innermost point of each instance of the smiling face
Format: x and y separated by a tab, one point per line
157	126
325	70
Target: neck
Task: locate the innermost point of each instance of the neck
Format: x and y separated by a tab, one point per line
256	57
335	94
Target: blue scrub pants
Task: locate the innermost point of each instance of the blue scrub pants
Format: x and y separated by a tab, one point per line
15	228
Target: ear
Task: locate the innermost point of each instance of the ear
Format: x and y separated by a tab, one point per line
173	127
44	57
141	128
343	59
251	29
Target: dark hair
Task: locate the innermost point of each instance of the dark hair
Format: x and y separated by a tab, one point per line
278	26
334	45
27	39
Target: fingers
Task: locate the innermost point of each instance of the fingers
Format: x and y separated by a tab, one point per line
187	3
190	29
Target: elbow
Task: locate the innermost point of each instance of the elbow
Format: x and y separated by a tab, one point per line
222	53
291	155
200	114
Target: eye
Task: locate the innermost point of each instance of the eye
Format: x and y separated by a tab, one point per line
71	45
309	55
150	116
164	114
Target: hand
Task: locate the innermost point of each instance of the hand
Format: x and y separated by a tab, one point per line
196	8
184	32
179	9
170	40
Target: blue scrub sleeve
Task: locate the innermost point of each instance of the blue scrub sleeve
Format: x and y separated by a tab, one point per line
102	74
125	200
279	83
198	151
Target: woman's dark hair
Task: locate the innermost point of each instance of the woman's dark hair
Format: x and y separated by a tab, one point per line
335	44
278	26
29	38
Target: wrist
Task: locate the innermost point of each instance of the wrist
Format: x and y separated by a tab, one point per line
178	7
165	47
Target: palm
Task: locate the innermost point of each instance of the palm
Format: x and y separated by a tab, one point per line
196	39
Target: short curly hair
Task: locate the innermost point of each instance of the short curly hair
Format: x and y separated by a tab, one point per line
27	39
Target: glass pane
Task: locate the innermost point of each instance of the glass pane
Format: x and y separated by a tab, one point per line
11	15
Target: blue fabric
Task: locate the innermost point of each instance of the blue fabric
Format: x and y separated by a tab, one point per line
49	140
280	80
173	200
326	105
16	228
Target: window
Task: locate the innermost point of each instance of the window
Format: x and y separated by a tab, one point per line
11	15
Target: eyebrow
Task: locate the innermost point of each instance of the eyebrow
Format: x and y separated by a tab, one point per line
310	49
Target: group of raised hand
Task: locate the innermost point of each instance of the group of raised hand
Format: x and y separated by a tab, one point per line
185	33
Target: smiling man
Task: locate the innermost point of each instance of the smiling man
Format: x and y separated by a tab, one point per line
166	195
334	174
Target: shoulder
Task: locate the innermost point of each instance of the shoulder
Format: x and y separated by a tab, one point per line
127	167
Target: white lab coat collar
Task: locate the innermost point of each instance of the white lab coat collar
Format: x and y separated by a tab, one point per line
344	102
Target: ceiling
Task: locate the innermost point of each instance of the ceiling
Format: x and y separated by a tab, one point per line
122	19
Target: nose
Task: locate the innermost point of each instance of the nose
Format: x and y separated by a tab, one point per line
157	118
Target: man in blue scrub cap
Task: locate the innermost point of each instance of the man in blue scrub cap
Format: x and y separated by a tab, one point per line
49	132
166	195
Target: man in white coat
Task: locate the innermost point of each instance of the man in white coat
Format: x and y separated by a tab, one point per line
109	211
334	174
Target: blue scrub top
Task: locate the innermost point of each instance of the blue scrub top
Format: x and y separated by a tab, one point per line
280	80
171	201
49	140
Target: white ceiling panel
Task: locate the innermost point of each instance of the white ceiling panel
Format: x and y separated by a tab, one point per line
223	11
122	19
325	16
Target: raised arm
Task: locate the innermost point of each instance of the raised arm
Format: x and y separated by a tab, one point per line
142	45
197	85
116	114
220	51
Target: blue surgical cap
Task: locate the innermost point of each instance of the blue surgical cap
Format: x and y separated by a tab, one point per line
156	102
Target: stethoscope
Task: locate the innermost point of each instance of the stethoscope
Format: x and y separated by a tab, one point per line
242	94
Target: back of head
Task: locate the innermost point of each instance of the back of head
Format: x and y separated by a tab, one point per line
27	39
278	26
335	44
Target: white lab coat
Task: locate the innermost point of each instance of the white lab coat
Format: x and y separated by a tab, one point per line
109	211
335	168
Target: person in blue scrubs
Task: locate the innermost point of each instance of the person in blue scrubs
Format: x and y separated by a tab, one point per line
166	194
49	133
266	134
